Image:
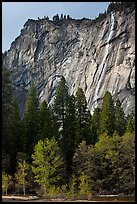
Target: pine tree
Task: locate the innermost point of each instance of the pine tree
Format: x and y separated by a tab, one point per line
15	139
6	107
130	123
80	158
30	121
64	111
107	115
61	17
68	17
120	120
45	121
70	133
11	124
60	103
95	125
83	118
59	108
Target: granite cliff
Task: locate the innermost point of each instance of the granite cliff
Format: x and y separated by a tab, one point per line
96	55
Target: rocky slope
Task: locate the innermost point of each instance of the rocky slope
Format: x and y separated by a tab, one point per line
97	55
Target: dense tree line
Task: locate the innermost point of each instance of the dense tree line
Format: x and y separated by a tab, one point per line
62	17
62	148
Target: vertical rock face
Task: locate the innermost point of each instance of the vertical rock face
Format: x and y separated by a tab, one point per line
96	55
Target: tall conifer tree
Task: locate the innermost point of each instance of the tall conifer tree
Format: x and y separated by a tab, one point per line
11	124
131	123
15	139
30	121
120	120
6	107
107	115
45	121
83	118
70	133
60	104
64	109
60	111
95	125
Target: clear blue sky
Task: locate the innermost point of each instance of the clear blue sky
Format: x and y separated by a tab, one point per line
15	14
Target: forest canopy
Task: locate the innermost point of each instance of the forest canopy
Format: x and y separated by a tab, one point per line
62	148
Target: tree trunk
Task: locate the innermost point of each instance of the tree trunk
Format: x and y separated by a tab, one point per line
6	190
24	189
